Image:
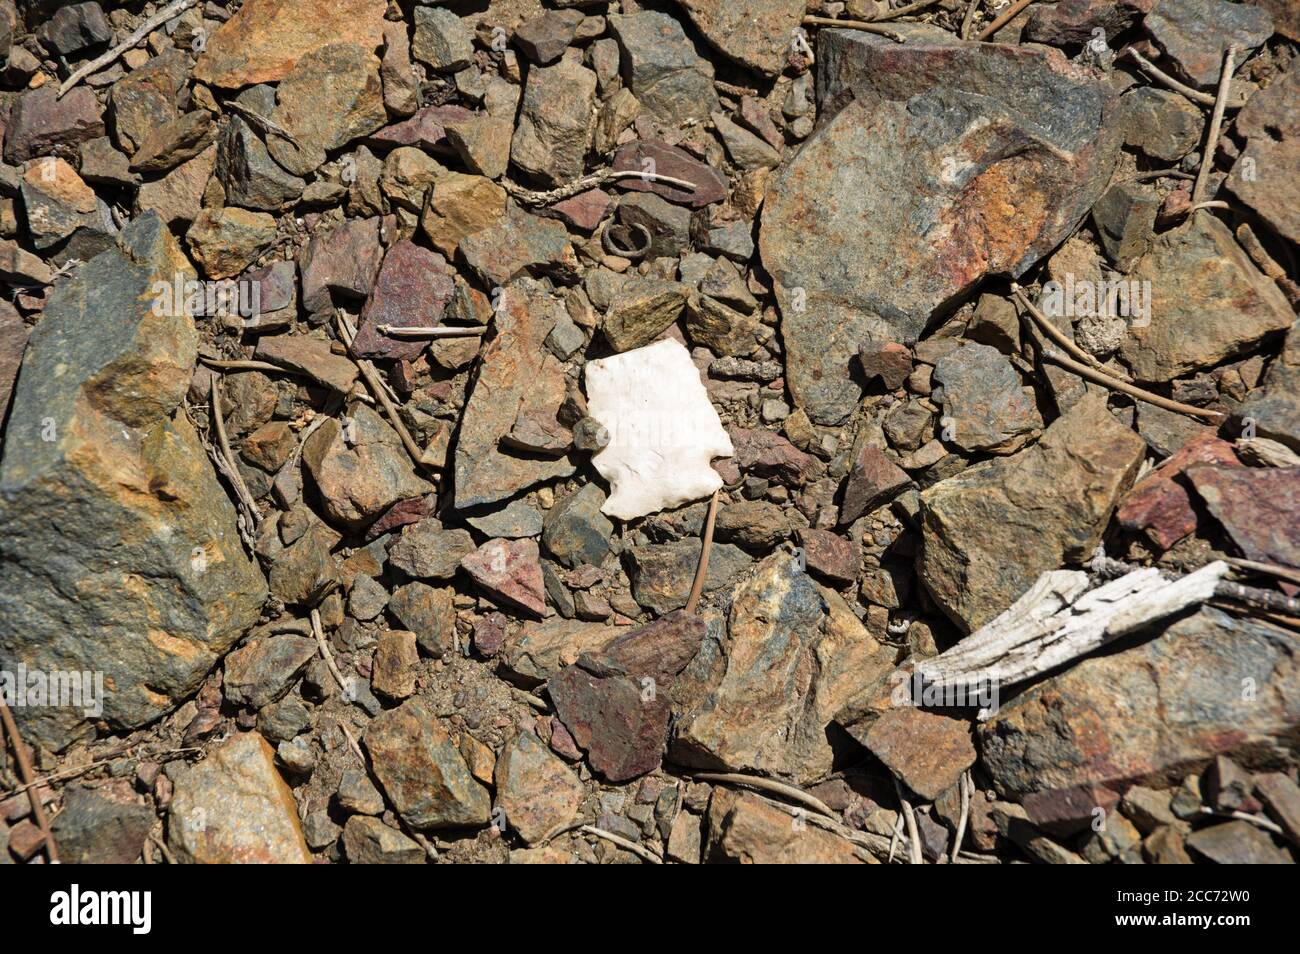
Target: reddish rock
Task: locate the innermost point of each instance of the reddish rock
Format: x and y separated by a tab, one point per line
1257	506
926	750
622	726
1160	504
873	481
762	453
829	556
1067	811
413	287
583	211
41	122
426	129
400	514
510	571
489	634
344	260
889	361
653	155
562	742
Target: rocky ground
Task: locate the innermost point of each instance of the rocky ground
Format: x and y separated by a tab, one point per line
970	301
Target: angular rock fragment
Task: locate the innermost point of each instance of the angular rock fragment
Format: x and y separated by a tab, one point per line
536	790
412	289
261	672
556	120
992	529
509	571
663	431
113	522
754	33
1196	33
1161	502
984	402
853	257
1271	124
1152	713
1257	506
266	39
744	828
662	69
234	808
422	771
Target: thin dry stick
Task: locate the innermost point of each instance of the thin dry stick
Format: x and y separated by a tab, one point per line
876	845
966	786
26	774
701	571
866	26
903	11
913	836
1162	174
266	125
969	19
243	364
162	846
1263	823
1216	122
1098	377
439	331
893	841
246	501
164	15
569	189
1056	334
1196	96
381	394
1252	596
1281	572
766	785
645	854
1003	20
328	656
66	774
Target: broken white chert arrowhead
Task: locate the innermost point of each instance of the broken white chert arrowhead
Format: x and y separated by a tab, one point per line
663	430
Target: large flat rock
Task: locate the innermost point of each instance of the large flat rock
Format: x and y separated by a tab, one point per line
118	547
949	163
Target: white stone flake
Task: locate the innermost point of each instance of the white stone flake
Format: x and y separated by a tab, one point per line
663	430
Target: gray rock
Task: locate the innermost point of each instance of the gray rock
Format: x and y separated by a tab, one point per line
517	519
261	672
984	402
102	489
855	258
427	551
1125	217
442	40
662	573
1161	123
368	841
556	121
74	28
1196	33
94	830
251	178
1274	409
754	33
575	531
662	69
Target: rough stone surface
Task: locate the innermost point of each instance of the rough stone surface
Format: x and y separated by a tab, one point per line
556	121
1257	506
853	260
122	481
535	789
661	67
510	572
744	828
1152	713
266	39
422	771
992	529
234	808
984	402
1196	33
754	33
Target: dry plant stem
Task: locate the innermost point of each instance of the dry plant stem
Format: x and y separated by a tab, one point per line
1263	823
876	845
966	786
893	841
27	775
906	11
167	13
767	785
866	26
913	837
1056	334
1211	204
243	364
266	125
1196	96
328	656
969	19
1281	572
644	854
1224	589
706	548
569	189
162	846
246	501
439	331
91	766
1162	174
1000	22
430	852
1102	378
381	395
1212	135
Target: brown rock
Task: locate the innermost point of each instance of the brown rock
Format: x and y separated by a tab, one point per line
1160	503
874	480
266	39
926	750
509	571
394	664
537	791
747	829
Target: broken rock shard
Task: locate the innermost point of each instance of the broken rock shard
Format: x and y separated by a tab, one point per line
663	430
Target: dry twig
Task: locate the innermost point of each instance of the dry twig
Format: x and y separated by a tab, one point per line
913	836
595	179
1196	96
1007	16
967	786
645	854
766	785
866	26
325	653
1056	334
433	331
27	775
166	14
706	548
